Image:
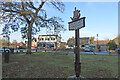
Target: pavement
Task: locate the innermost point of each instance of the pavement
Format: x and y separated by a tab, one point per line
75	78
97	53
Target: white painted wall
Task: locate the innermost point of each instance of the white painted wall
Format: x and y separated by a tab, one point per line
52	39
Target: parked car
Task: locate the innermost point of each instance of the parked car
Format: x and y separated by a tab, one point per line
88	49
118	50
4	48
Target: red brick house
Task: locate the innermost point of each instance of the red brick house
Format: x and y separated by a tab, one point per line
101	42
21	44
34	43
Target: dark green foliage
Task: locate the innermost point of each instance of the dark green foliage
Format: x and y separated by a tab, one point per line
22	47
98	47
112	45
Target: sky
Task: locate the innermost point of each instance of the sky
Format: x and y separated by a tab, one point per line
101	19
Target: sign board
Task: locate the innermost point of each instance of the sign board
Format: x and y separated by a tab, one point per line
77	24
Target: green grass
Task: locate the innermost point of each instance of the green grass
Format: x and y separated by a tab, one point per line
49	65
103	66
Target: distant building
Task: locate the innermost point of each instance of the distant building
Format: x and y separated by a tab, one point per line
13	44
49	41
34	43
71	42
62	45
102	44
84	42
21	44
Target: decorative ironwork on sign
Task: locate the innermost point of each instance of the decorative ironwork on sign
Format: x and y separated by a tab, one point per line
76	15
77	22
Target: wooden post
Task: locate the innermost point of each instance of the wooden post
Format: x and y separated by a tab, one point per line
76	24
77	53
6	56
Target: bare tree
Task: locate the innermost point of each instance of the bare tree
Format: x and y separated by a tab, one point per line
29	18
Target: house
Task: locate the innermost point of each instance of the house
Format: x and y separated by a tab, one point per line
62	44
71	42
34	43
13	44
102	44
84	42
21	44
49	41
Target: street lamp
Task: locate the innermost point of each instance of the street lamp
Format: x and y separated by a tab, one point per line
97	42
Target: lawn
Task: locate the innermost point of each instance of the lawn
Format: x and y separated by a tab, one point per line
49	65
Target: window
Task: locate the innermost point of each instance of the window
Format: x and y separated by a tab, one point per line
83	46
53	38
70	45
42	38
39	39
46	38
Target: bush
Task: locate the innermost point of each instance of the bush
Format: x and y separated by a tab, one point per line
112	45
21	47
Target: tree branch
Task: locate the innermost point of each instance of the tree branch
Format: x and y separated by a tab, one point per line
24	15
41	5
35	15
7	10
42	19
31	5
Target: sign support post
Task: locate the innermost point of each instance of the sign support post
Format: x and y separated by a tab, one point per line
76	24
77	54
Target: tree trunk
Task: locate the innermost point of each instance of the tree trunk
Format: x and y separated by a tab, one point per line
29	39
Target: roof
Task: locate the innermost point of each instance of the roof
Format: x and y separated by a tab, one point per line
83	40
48	35
79	38
101	42
117	40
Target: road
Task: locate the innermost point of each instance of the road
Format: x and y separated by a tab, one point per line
97	53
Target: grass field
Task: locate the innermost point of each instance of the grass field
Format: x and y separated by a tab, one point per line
49	65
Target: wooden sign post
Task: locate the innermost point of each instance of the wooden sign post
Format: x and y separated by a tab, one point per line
76	24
